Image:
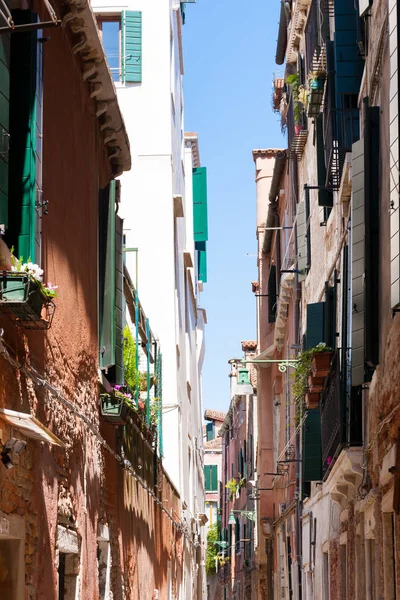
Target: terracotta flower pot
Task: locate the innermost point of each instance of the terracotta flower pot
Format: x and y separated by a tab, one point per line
321	364
298	128
312	400
316	384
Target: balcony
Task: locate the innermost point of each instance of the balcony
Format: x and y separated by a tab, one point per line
341	414
341	130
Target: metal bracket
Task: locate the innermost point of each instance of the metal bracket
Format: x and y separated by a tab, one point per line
43	204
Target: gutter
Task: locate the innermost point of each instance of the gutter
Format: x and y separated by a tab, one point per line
81	22
280	162
282	33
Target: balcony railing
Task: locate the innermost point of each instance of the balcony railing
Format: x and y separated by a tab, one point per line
341	130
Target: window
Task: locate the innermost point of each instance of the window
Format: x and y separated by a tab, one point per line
211	478
210	431
122	41
111	37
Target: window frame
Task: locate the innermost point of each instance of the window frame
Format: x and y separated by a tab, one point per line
112	18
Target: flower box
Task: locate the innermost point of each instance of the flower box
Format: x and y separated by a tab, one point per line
312	400
316	384
23	300
321	364
115	410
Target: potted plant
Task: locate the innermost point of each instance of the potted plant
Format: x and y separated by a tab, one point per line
23	293
321	361
232	486
316	80
299	97
304	385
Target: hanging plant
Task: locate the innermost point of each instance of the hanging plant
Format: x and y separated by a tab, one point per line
300	381
232	486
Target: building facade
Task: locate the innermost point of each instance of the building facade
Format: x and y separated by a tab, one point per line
164	207
327	217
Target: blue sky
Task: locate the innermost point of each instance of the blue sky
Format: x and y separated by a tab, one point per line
229	52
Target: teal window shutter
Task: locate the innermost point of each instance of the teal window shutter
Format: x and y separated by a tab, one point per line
200	219
358	264
349	64
312	457
107	276
207	481
23	117
325	197
301	240
214	478
315	324
210	431
4	126
119	302
202	261
131	27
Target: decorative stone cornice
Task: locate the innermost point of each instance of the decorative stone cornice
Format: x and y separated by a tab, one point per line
296	28
346	476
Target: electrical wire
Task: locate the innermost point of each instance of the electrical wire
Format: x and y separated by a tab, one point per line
34	376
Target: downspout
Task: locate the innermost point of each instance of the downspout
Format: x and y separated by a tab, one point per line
272	217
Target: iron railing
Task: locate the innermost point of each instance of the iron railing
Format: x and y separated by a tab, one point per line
341	130
331	415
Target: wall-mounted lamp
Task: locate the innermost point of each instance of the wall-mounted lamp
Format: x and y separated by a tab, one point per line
243	386
12	445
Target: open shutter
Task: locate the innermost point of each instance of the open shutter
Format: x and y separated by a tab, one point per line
200	220
315	324
349	65
214	478
131	25
312	461
22	157
210	431
107	275
301	241
202	261
358	263
372	204
330	314
4	126
119	302
272	296
325	197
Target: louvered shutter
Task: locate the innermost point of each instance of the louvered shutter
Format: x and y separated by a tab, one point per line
358	263
210	431
312	456
301	241
119	302
200	219
325	197
207	482
349	65
23	124
4	126
214	478
315	324
131	26
107	276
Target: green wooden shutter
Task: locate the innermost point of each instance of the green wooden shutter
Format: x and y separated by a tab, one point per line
22	182
330	314
107	276
272	296
301	240
207	483
358	263
312	458
349	65
214	478
119	302
4	126
131	26
200	220
202	261
372	206
315	324
210	431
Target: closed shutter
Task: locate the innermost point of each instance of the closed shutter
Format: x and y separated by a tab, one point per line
301	241
315	324
214	478
372	244
358	263
107	276
330	314
312	457
210	431
200	219
22	157
119	302
131	26
207	479
4	126
272	296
